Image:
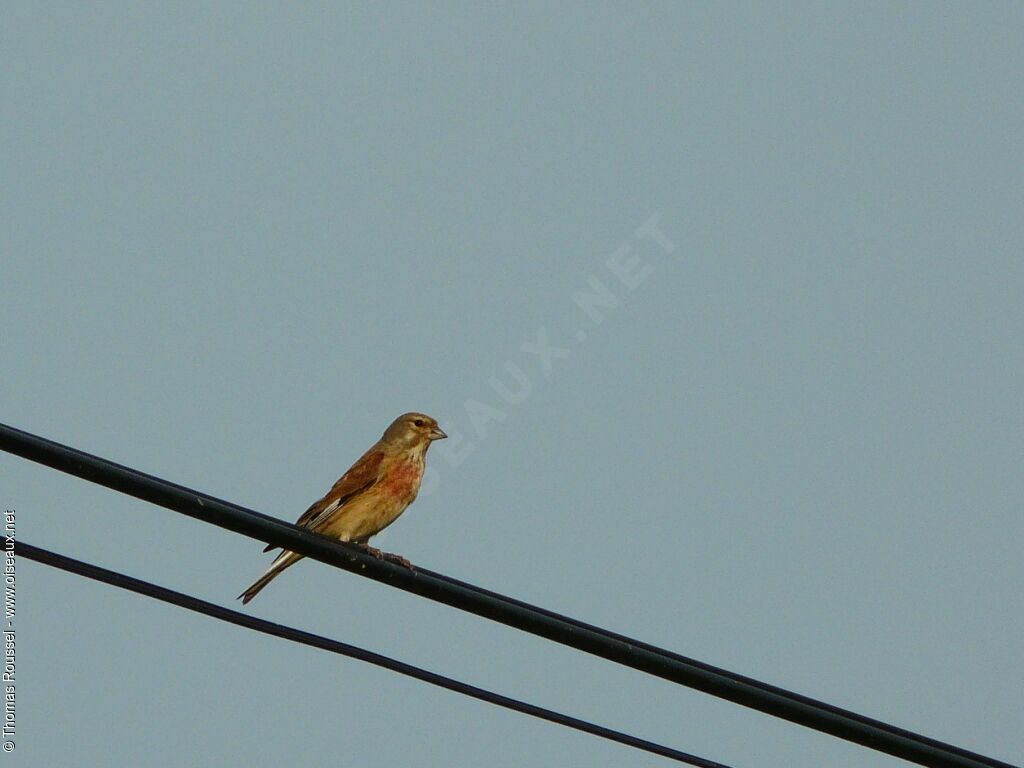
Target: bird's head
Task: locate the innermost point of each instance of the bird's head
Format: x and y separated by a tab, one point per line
411	429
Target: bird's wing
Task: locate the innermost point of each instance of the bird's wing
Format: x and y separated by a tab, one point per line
360	476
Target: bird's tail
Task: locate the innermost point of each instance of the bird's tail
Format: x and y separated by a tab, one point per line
281	562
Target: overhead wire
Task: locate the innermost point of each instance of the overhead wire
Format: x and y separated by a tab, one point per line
191	603
737	688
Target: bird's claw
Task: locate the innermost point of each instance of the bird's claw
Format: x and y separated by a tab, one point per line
371	551
399	560
390	557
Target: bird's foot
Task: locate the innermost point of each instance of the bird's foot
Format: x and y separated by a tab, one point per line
391	557
371	551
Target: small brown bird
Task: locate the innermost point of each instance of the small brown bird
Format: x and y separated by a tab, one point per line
370	496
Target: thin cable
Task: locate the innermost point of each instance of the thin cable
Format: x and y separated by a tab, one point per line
191	603
618	648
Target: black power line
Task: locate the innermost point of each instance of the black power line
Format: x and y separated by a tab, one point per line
335	646
726	673
641	656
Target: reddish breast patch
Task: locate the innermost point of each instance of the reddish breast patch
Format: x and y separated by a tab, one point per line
403	480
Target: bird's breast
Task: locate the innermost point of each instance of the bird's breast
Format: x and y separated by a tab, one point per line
403	481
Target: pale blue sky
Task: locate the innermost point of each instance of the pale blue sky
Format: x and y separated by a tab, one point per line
238	239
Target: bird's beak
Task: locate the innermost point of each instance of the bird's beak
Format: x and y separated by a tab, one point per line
437	434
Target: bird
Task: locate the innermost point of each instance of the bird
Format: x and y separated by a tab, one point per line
369	497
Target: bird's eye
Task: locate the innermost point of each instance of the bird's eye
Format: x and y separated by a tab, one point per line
418	422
